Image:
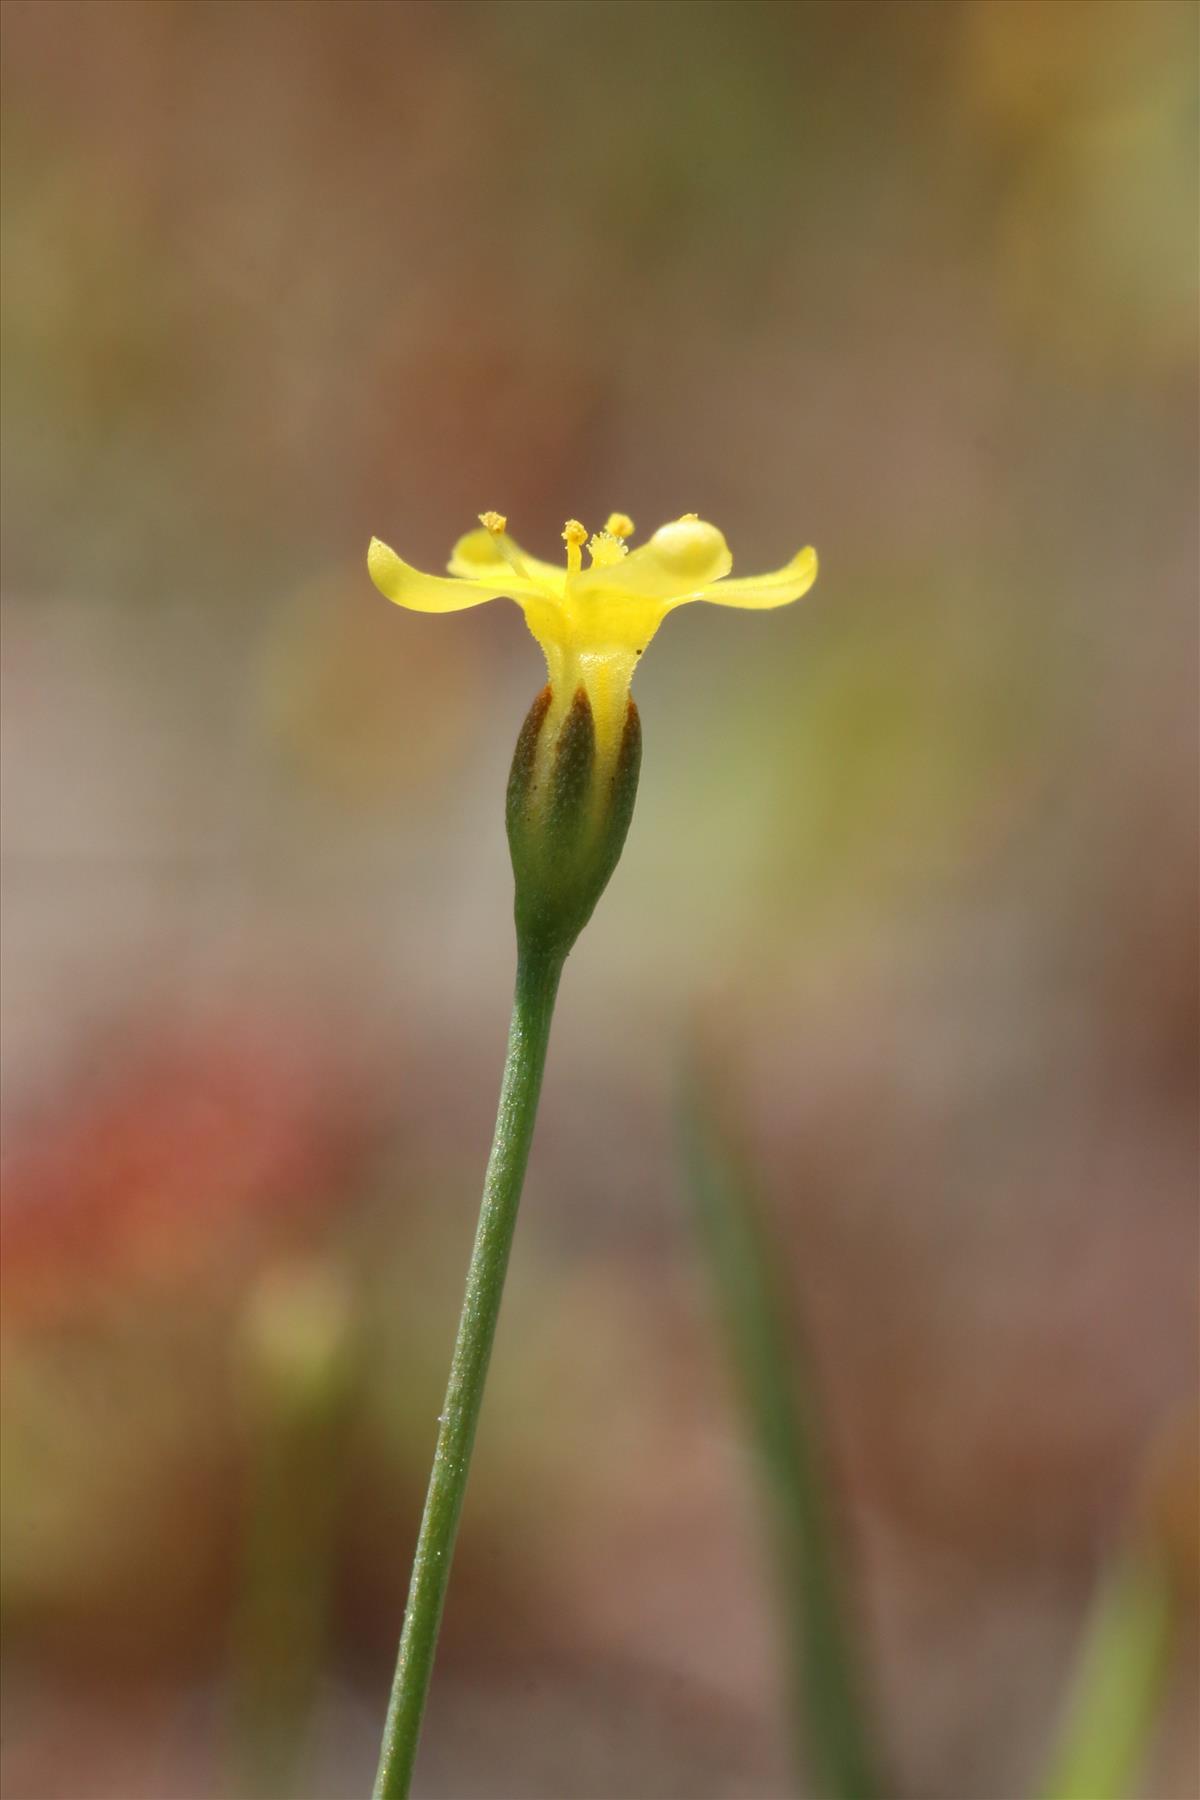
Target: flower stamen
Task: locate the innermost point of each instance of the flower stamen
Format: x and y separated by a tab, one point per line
605	549
619	525
574	537
497	525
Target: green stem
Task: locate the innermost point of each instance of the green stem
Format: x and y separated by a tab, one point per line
538	975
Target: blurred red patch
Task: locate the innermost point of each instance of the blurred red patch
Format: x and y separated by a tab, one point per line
201	1145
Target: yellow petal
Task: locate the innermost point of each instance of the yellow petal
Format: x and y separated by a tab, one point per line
479	557
428	593
762	591
679	560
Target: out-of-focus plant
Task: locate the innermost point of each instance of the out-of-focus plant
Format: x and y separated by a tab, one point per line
1117	1685
1122	1671
1145	1598
296	1364
777	1393
571	793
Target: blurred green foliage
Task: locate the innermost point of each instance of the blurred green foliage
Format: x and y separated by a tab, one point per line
777	1395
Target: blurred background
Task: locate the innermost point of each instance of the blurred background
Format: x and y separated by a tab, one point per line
916	860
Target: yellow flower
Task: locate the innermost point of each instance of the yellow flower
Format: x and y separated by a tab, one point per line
593	623
574	773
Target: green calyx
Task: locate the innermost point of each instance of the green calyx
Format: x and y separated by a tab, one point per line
568	813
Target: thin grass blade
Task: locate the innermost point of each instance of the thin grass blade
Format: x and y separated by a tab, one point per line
775	1389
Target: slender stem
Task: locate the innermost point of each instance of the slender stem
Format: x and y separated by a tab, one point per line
533	1008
